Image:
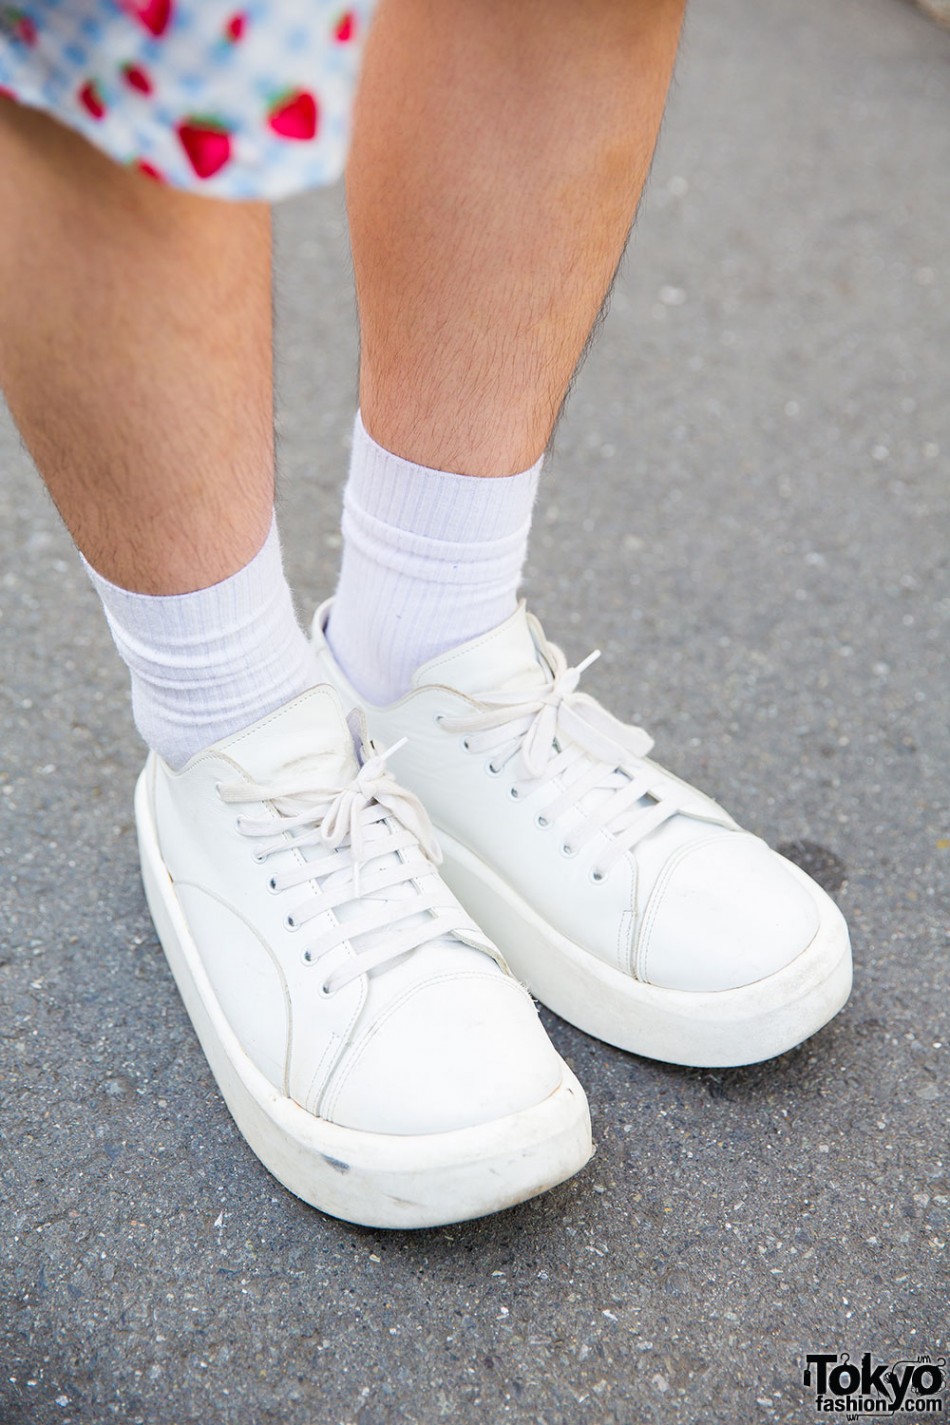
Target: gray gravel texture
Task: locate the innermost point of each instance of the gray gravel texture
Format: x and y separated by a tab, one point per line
747	511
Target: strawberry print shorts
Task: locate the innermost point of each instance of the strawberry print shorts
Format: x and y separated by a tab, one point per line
234	100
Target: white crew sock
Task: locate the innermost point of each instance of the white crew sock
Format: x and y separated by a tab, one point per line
208	664
430	560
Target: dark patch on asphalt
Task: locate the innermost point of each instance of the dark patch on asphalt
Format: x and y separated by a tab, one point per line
818	862
713	1083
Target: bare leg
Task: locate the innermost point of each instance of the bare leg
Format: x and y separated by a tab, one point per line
499	155
135	354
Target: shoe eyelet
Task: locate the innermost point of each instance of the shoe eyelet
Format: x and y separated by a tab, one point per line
258	858
290	923
326	992
514	794
598	877
465	745
307	957
567	849
272	885
541	822
491	769
438	719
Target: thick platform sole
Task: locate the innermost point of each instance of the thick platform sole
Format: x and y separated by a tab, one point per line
721	1029
376	1180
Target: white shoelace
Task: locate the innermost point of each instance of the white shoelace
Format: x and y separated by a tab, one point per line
554	731
377	841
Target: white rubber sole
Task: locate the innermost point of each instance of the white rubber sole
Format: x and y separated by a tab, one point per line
374	1179
719	1029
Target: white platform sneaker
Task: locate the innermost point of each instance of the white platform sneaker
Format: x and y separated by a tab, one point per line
368	1038
627	901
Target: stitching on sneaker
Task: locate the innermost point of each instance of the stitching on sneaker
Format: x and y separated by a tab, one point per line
656	899
359	1048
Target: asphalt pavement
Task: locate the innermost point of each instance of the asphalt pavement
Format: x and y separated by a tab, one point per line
747	511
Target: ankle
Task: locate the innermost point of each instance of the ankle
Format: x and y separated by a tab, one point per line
430	560
208	664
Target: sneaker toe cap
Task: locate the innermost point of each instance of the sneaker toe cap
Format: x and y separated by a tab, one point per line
725	913
456	1052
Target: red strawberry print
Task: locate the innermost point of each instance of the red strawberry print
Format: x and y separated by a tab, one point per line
149	170
155	15
345	28
294	115
235	28
207	144
21	26
137	78
90	97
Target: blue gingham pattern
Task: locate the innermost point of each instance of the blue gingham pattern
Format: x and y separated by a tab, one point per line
216	65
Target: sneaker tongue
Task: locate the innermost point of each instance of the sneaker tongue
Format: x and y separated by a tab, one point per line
506	659
308	735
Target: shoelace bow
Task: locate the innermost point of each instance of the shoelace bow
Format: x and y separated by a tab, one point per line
371	816
556	731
